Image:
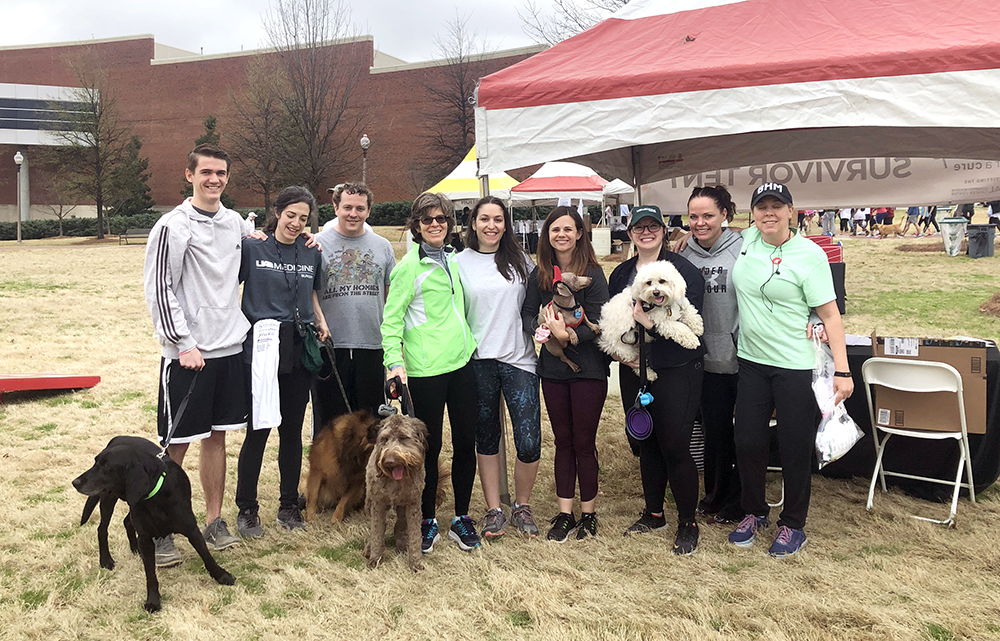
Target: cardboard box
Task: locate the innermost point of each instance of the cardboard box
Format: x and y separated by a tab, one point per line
935	411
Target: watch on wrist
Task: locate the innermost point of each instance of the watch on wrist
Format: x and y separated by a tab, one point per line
842	374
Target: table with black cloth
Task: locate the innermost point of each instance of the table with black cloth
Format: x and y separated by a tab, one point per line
936	459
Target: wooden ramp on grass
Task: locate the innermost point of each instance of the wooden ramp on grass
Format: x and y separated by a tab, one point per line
47	381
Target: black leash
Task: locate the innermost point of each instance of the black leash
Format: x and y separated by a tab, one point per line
396	389
172	421
332	355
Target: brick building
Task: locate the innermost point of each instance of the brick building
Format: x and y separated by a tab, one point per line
168	93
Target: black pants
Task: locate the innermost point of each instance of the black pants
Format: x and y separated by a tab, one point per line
932	220
845	224
666	454
293	392
722	477
430	394
764	389
363	376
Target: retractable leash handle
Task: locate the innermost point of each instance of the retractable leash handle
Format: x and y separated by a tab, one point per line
396	389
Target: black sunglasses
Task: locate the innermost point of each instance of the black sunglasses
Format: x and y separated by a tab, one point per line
441	220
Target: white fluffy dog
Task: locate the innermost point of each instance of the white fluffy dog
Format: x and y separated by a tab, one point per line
661	289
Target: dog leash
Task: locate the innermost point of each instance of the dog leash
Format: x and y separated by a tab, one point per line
394	388
332	355
171	421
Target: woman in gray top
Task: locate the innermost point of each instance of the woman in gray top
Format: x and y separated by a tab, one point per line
714	249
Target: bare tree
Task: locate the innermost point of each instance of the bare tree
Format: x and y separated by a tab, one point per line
323	119
259	128
567	18
96	135
59	193
450	120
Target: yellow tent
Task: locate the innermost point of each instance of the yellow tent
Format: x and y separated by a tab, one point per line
463	183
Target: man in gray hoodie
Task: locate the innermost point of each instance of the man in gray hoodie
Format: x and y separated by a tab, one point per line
191	278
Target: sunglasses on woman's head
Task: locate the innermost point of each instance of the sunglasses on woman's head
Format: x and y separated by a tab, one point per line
441	220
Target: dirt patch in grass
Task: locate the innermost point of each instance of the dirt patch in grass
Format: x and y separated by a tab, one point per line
992	306
929	247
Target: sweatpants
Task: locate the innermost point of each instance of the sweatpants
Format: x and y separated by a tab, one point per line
574	408
363	375
722	478
666	455
293	393
764	389
430	394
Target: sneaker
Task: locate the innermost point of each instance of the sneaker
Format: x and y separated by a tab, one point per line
493	523
647	523
428	535
787	542
248	524
290	517
587	526
522	519
463	532
746	531
217	535
562	525
727	516
166	552
686	541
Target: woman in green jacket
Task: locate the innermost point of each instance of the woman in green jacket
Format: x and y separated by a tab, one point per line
428	344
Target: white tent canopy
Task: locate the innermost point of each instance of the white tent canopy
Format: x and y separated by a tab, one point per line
556	180
729	83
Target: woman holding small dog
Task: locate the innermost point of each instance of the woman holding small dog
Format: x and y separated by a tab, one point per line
665	456
574	398
779	276
281	278
427	344
494	271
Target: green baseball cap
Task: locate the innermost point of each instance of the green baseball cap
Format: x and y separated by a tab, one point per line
646	211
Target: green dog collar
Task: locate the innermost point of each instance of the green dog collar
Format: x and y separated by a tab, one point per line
156	488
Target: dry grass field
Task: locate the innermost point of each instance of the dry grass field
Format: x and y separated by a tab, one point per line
79	309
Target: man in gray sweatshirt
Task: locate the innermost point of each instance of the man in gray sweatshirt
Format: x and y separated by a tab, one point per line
191	278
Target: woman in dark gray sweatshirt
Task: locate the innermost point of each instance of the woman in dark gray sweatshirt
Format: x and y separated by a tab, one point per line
714	249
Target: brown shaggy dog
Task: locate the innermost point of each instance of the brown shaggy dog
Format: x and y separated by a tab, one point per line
337	461
395	479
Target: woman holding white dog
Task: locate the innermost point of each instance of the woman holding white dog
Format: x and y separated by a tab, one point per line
494	272
665	456
779	276
714	249
428	343
574	399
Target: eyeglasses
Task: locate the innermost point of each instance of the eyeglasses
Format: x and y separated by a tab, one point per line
652	228
441	220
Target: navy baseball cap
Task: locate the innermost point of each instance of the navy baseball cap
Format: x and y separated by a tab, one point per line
776	190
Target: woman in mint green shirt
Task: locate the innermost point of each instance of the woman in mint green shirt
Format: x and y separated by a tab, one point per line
779	276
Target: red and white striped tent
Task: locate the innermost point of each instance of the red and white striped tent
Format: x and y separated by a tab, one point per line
668	88
555	180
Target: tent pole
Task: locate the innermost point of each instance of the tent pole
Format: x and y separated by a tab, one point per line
636	176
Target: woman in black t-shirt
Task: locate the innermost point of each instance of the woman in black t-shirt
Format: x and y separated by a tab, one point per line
281	278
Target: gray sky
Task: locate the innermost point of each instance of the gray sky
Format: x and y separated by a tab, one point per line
402	28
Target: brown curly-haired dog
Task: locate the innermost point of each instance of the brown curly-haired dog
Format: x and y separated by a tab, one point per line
395	479
337	461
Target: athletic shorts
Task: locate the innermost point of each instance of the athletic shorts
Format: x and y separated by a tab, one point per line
219	399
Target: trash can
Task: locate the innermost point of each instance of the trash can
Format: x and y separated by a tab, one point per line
981	241
953	231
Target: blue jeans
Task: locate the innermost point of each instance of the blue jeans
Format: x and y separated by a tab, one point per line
520	389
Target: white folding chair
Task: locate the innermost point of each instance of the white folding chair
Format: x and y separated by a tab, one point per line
918	377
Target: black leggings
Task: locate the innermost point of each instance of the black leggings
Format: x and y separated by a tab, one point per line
722	478
430	394
764	389
932	220
293	392
666	454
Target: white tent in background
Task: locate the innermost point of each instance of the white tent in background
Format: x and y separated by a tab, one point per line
463	182
619	191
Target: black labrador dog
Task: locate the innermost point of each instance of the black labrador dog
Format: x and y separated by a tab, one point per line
158	494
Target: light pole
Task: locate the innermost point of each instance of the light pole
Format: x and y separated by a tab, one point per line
365	144
18	159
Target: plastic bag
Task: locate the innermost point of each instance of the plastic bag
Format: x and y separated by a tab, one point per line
837	432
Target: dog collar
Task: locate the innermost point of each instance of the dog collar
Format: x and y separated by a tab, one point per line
156	488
